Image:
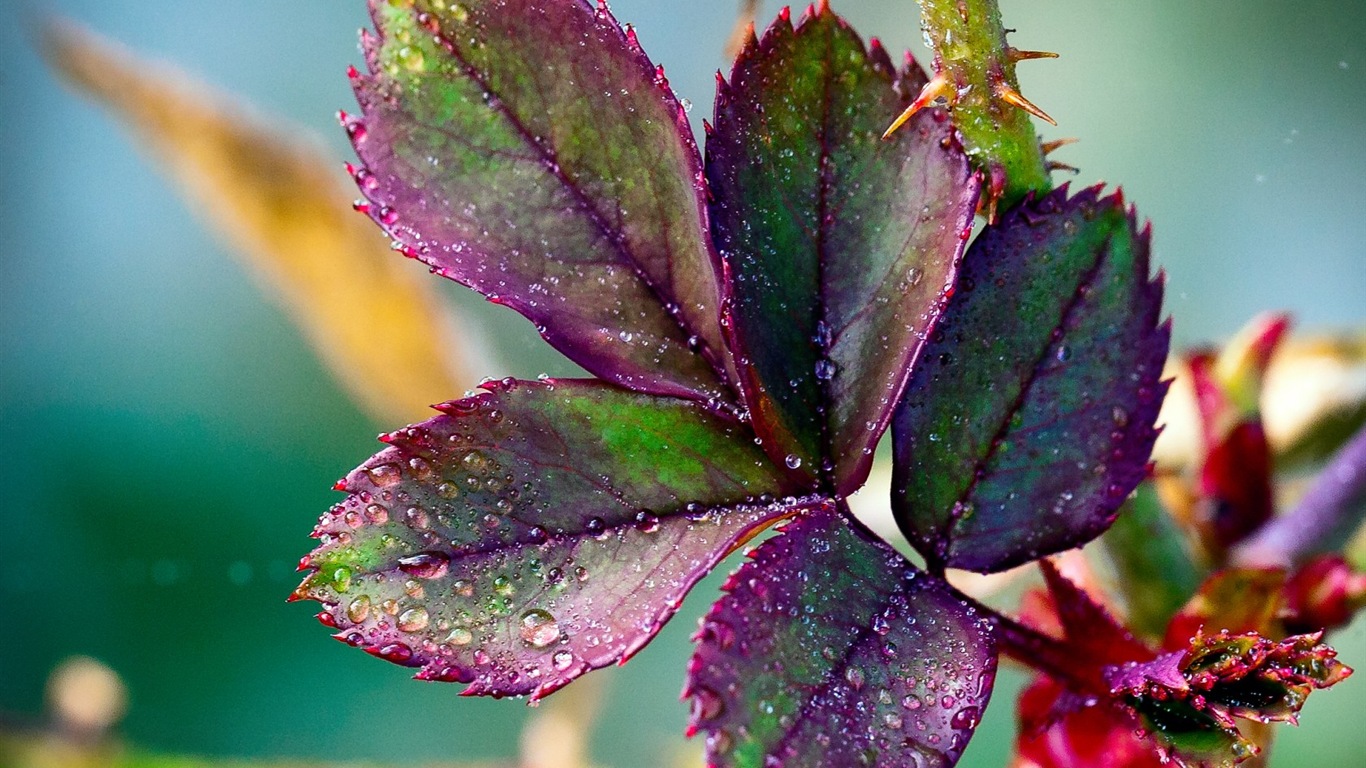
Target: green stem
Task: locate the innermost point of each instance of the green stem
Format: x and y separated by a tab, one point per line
975	73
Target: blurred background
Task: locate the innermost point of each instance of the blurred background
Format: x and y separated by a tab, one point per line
172	436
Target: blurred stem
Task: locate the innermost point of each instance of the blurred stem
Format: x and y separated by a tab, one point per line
974	71
1325	519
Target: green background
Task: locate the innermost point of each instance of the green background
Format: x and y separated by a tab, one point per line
169	438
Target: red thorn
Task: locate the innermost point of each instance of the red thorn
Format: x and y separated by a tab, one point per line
1051	146
937	87
1012	97
340	485
1017	55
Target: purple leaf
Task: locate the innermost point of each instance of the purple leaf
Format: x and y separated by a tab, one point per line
536	531
531	151
830	648
1029	418
841	244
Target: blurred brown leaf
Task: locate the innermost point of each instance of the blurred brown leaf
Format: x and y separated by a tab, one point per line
285	208
744	27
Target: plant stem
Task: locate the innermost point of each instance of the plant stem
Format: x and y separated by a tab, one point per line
974	71
1324	519
1041	652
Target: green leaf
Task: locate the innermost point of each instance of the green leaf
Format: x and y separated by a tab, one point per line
841	245
1157	574
536	531
1029	418
531	151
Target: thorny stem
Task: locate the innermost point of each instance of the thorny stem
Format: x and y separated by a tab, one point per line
1324	519
974	72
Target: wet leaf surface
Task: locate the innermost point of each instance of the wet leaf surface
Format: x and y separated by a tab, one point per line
535	532
531	151
1029	418
840	244
830	648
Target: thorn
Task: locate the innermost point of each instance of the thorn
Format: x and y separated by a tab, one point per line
785	14
1012	97
936	88
1050	146
1017	55
824	7
1054	165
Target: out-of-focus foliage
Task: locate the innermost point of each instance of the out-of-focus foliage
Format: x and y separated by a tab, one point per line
272	193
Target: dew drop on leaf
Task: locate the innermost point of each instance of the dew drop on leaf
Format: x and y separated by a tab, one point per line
413	620
538	628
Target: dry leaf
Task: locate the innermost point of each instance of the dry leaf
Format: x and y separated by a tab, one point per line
285	208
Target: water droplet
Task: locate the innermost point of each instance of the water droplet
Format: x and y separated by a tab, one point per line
384	475
413	620
341	579
1064	353
793	461
823	335
881	625
686	104
646	522
358	609
411	58
825	369
854	676
562	660
965	718
503	586
460	636
538	628
377	514
424	565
